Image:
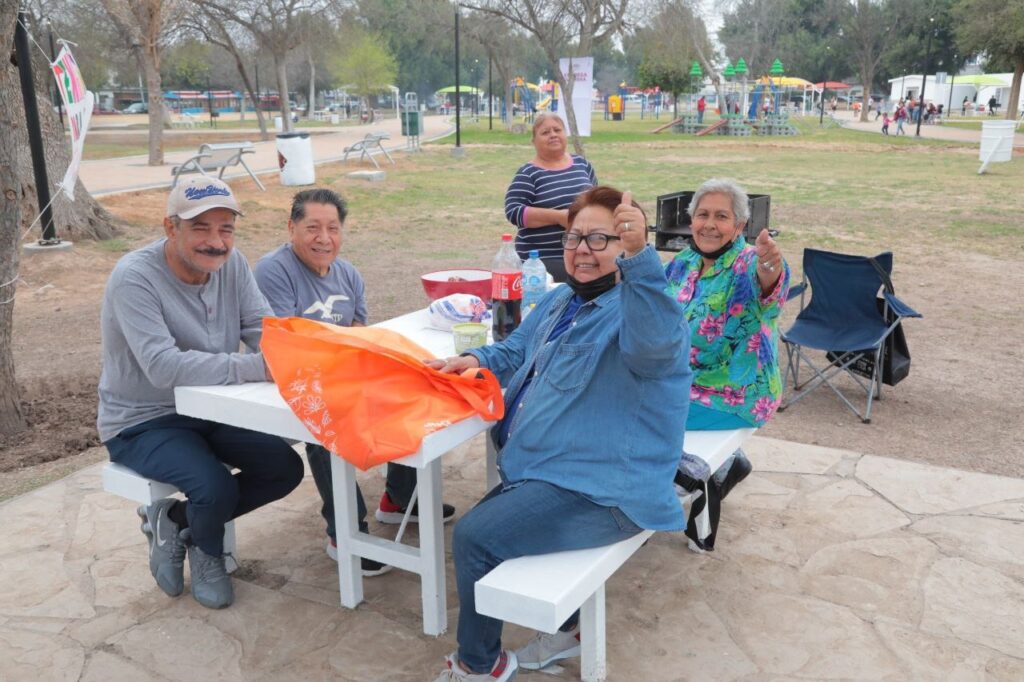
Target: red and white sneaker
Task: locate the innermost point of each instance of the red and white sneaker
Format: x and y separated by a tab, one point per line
504	669
389	512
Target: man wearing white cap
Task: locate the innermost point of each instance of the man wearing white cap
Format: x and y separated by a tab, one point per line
174	314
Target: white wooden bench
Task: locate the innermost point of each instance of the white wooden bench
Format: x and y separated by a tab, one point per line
124	482
368	146
541	592
218	157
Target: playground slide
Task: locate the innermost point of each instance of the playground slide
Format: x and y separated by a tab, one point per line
544	103
714	127
667	125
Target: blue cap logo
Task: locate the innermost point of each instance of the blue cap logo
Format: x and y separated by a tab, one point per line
197	193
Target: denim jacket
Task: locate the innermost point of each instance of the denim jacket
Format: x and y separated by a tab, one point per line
605	413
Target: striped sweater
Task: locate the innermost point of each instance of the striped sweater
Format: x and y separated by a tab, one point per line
542	188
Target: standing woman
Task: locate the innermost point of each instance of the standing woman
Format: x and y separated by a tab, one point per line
538	199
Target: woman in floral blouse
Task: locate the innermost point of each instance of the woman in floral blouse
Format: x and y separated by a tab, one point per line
732	294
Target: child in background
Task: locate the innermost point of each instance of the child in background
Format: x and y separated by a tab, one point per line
885	123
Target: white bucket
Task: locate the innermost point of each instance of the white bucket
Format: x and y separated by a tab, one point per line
996	141
295	157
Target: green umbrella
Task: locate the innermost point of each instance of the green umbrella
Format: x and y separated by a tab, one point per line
463	89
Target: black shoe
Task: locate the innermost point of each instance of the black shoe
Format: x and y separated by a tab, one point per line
389	512
740	469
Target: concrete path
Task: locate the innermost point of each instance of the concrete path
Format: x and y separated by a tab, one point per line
829	565
131	173
945	131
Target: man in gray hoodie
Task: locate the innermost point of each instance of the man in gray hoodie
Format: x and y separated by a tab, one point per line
175	313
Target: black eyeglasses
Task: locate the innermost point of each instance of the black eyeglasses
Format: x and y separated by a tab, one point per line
596	241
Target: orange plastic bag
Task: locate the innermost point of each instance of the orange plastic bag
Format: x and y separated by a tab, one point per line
365	393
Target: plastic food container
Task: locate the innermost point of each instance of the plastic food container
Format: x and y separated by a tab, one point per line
466	281
469	335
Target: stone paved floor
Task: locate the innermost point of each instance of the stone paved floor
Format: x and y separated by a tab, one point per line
829	565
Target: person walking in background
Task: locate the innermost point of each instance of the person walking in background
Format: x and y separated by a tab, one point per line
901	117
885	123
701	106
963	106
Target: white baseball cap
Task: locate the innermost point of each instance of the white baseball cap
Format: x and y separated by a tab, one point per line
199	194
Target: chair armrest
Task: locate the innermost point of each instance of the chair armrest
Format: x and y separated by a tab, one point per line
796	290
899	307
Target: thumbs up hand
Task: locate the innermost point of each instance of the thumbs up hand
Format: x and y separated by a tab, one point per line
630	225
769	260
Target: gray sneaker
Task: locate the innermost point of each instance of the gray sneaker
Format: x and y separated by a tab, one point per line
166	548
211	585
545	649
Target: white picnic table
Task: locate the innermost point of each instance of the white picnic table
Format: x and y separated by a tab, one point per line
259	406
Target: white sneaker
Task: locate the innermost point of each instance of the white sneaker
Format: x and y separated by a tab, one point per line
504	669
545	649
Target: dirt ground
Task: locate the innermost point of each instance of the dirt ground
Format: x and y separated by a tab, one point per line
960	406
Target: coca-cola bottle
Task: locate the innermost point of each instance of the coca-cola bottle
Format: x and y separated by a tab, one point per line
506	290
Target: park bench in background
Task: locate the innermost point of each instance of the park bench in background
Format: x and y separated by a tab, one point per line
218	157
541	592
368	146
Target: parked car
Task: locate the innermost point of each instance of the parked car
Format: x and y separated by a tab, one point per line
136	108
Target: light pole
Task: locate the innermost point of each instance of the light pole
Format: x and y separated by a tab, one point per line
952	80
821	100
924	76
458	93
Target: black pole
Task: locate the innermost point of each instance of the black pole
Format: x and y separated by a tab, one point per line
53	58
924	79
35	134
458	93
490	96
259	97
209	100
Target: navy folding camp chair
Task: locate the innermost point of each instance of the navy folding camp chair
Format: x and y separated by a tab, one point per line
848	320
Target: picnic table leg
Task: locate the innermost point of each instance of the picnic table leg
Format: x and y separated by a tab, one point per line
346	525
593	663
368	155
435	614
386	154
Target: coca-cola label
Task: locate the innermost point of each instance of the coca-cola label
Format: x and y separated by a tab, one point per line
506	286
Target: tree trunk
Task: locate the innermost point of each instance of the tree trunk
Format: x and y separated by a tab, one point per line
260	118
150	64
311	103
11	134
867	76
1011	106
282	92
570	113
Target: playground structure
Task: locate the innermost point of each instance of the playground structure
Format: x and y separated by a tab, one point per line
527	98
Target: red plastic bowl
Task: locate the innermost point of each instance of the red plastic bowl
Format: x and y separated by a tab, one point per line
473	281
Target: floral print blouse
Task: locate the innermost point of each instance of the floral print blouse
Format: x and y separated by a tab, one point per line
734	336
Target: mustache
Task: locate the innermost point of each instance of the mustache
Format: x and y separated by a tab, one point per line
212	252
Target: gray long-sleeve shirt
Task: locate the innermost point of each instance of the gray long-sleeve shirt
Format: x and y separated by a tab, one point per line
159	332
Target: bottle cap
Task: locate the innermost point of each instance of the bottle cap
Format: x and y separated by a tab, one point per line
534	253
506	237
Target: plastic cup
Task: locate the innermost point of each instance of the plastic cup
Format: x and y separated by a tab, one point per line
469	335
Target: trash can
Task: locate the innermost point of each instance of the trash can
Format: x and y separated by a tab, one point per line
410	123
295	157
996	141
278	124
335	119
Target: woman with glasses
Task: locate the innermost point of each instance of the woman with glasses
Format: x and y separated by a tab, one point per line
537	201
596	379
732	294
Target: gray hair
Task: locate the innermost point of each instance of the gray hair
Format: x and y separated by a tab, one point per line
540	118
728	187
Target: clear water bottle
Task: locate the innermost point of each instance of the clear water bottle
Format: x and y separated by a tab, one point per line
535	282
506	290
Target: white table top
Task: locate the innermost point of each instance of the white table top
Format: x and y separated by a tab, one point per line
259	406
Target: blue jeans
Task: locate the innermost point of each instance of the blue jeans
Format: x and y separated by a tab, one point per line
190	454
400	483
524	519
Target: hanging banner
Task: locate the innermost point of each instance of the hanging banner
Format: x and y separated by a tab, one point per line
582	74
78	104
